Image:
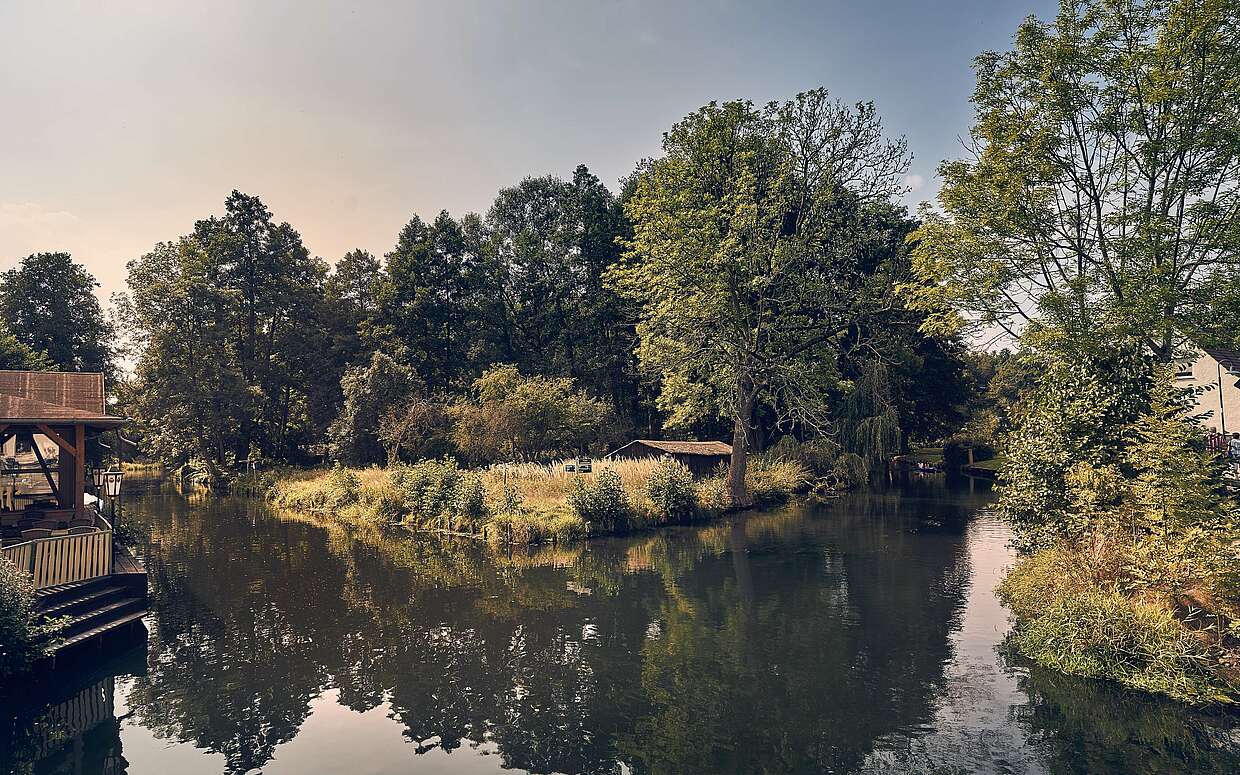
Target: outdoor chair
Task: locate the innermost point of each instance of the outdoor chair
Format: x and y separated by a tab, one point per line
82	522
50	524
80	529
36	532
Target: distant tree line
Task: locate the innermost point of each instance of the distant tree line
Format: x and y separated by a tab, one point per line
745	285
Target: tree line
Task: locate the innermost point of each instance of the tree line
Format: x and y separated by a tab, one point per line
741	286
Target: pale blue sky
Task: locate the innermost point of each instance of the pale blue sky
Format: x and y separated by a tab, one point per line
123	122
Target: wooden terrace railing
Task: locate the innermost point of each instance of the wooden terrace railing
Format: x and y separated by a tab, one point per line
64	559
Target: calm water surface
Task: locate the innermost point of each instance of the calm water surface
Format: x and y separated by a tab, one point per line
859	636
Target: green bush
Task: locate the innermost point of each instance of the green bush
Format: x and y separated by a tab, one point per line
428	489
24	636
671	490
602	503
1067	620
470	503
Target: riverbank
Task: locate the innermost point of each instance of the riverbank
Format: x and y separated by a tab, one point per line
527	503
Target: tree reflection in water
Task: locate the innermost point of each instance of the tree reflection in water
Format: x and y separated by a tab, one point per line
798	640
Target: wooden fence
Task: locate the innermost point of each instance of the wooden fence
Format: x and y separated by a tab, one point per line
63	559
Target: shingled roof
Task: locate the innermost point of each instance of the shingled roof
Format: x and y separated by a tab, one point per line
1230	359
708	448
53	397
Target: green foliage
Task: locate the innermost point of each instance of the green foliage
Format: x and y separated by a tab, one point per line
751	255
670	489
48	304
1103	180
16	356
371	394
429	489
602	502
345	485
1070	444
515	417
869	420
1099	633
469	507
24	636
234	356
1128	535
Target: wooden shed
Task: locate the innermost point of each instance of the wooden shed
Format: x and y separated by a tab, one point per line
701	457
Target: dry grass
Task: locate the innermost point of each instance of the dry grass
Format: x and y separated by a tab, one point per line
524	502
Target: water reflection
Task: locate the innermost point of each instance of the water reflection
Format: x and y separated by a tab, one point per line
855	636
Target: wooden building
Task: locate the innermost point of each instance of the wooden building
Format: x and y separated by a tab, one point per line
49	527
701	457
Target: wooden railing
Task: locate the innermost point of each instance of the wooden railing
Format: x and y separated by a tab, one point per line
64	559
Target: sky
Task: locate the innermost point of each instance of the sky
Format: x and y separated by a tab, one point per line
122	123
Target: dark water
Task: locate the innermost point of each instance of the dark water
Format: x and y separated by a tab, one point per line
856	637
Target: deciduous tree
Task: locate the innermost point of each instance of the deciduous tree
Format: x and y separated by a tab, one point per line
1103	186
745	256
48	305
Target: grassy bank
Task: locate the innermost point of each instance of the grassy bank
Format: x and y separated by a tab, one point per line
1079	609
528	503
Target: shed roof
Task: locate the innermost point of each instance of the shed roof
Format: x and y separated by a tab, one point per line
53	398
76	390
706	448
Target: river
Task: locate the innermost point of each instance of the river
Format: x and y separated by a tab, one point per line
861	635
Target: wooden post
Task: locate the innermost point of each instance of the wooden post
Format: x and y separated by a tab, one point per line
79	470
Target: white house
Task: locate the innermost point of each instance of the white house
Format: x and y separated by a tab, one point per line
1214	373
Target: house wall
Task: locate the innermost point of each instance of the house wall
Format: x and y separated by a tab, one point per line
1202	373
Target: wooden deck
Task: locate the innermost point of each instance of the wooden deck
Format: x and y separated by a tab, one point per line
98	608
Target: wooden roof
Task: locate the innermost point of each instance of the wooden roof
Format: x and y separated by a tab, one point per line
53	398
707	448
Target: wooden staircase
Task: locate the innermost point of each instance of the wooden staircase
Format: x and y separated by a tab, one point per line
94	609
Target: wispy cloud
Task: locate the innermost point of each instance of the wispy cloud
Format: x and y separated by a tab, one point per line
914	182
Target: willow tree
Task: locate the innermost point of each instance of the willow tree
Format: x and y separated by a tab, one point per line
1103	188
744	257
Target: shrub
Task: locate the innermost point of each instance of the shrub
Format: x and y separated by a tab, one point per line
602	503
428	489
469	505
670	489
24	636
344	487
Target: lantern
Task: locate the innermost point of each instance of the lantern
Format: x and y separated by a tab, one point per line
112	483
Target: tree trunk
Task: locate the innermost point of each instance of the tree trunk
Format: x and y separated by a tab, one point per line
742	418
